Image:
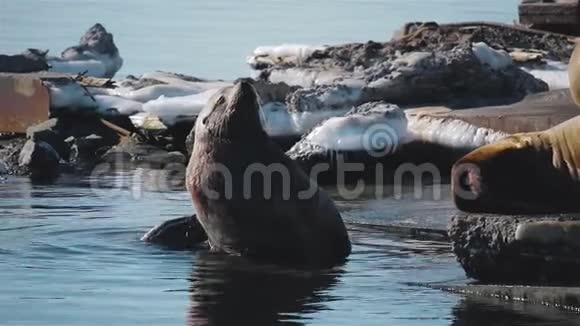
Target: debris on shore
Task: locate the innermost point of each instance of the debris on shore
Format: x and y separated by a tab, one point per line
300	87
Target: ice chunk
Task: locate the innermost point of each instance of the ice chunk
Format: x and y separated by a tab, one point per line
554	73
285	53
109	104
169	109
495	59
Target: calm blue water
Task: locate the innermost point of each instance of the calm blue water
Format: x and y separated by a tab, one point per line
70	254
212	38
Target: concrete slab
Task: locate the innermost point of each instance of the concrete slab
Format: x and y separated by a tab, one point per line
24	101
534	113
567	298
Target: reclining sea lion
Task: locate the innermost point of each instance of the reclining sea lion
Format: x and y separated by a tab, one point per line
536	172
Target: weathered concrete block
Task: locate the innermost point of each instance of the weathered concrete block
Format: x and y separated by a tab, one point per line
517	249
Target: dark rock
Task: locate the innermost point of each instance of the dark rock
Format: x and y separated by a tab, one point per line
325	98
41	160
9	155
85	150
83	128
35	54
285	142
179	234
183	77
177	134
31	60
48	132
133	153
95	44
455	78
429	64
79	139
96	40
79	125
138	83
3	168
487	248
430	36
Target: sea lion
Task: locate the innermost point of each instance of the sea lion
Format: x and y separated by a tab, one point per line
179	234
536	172
252	199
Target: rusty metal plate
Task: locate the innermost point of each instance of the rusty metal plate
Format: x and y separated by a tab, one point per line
24	101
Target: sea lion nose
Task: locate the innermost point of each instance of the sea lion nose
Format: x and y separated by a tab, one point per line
243	88
466	185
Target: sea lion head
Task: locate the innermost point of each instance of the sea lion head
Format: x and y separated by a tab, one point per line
232	113
502	177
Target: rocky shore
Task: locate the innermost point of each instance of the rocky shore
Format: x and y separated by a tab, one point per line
518	249
301	87
428	96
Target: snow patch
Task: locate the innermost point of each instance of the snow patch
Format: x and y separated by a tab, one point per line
356	132
554	73
495	59
96	65
169	109
285	53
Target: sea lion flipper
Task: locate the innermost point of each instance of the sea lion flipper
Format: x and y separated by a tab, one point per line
181	234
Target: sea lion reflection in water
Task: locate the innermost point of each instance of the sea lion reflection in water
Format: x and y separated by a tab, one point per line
250	198
228	289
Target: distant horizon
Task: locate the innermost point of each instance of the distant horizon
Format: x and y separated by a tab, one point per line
189	37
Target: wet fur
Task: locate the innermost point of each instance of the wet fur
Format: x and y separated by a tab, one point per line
296	231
